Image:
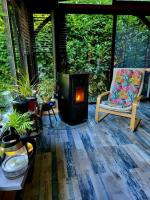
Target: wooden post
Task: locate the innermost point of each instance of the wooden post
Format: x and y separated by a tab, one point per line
25	27
113	47
32	65
21	43
54	33
9	39
59	41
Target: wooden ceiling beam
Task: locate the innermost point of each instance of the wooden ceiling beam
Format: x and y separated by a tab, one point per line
117	9
144	20
43	23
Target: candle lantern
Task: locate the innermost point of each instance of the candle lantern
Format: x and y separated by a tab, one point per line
18	152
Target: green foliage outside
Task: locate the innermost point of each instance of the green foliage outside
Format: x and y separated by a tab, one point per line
89	1
132	43
4	63
88	46
44	48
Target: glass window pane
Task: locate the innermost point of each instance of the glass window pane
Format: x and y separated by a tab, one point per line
132	48
89	49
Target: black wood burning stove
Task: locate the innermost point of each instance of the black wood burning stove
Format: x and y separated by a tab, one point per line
73	97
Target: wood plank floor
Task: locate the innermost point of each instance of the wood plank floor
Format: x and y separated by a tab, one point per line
90	161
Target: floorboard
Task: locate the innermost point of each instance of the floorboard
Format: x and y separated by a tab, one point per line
93	161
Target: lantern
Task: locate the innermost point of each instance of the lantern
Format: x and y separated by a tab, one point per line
17	154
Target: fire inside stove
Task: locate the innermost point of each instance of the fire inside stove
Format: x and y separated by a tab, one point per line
79	95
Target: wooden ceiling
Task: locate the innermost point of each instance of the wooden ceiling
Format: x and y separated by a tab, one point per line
118	8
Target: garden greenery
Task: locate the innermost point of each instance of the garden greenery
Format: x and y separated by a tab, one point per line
88	46
21	122
4	63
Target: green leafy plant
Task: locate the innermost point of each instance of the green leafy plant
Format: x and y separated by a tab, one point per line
21	122
23	87
46	89
88	45
1	152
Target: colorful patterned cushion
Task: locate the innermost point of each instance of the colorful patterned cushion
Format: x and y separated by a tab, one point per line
119	108
125	87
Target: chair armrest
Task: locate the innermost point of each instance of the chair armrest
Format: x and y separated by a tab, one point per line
147	69
137	100
99	98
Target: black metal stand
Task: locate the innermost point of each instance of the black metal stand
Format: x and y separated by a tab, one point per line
48	107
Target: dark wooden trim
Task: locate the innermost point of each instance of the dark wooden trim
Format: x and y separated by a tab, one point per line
39	28
55	44
113	46
39	6
59	41
121	9
32	65
17	32
118	7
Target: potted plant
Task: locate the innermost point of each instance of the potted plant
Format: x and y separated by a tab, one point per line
22	123
46	90
23	93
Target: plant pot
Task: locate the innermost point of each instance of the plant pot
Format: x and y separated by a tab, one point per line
16	160
32	103
20	105
15	142
9	140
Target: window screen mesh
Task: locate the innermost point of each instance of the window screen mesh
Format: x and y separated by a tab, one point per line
132	45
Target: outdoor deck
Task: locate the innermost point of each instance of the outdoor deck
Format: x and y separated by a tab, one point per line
93	161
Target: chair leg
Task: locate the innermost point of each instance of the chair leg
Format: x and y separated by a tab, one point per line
54	113
134	121
50	118
134	125
97	118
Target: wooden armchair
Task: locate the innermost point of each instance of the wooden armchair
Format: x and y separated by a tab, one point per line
123	97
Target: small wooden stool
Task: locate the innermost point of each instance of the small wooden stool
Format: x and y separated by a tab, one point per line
49	107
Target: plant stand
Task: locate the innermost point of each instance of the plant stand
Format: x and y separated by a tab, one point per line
48	107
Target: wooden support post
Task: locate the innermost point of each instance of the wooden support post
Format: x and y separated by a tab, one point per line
32	65
20	40
9	40
59	41
55	44
113	47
